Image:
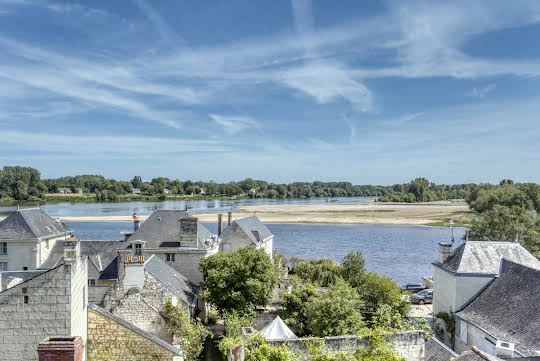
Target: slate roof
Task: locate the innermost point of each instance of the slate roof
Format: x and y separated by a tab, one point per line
32	223
172	279
162	229
253	228
476	355
485	257
435	350
103	254
30	275
509	307
135	329
7	276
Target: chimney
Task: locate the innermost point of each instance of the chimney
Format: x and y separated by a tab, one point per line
188	232
72	249
229	216
219	224
444	251
136	222
61	349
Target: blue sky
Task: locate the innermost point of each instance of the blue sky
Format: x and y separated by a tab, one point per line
373	92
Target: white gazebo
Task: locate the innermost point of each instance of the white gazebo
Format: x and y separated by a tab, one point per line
277	330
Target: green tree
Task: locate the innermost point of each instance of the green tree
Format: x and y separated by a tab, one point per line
336	312
322	272
353	268
294	310
239	280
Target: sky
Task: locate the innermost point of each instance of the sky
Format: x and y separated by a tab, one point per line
372	92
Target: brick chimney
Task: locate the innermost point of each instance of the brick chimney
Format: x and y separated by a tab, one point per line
61	349
444	251
188	232
219	223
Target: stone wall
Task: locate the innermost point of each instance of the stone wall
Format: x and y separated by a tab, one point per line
49	304
110	340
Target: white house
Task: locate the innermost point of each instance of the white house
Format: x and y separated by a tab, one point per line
245	232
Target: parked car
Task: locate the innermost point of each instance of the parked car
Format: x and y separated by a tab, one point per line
422	297
413	287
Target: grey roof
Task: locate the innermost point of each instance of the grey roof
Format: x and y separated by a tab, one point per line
7	276
135	329
435	350
31	223
509	307
476	355
162	229
31	275
485	257
172	279
254	228
103	254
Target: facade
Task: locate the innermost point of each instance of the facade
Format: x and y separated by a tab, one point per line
245	232
27	238
64	190
136	191
504	318
52	302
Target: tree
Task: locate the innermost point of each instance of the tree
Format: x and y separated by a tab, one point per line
239	280
321	272
137	182
336	312
353	268
295	308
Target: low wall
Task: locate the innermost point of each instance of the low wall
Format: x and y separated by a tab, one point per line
409	345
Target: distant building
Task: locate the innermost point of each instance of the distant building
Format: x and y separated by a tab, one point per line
136	191
166	191
79	190
27	237
245	232
64	190
504	318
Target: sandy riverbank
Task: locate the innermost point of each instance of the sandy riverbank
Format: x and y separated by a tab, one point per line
354	213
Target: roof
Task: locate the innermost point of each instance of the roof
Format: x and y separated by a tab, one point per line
476	355
7	277
277	330
509	308
172	279
31	223
485	257
30	275
102	254
162	229
135	329
254	228
435	350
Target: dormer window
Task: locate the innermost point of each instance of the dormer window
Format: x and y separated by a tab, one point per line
137	248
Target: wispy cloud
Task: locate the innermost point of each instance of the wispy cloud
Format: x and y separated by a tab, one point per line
235	124
482	91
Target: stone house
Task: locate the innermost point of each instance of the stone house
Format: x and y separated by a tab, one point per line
27	237
140	295
136	191
177	238
504	318
45	303
245	232
461	273
112	338
64	190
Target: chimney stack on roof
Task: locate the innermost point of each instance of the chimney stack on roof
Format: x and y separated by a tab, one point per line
229	216
444	251
136	222
219	223
61	348
72	249
188	232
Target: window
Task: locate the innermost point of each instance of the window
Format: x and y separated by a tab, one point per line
138	248
25	268
3	247
463	331
3	266
169	257
91	283
25	299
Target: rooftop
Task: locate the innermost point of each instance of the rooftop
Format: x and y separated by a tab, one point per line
509	308
435	350
253	228
9	279
31	223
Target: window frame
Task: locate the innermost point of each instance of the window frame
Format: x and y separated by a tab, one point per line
170	257
2	269
3	248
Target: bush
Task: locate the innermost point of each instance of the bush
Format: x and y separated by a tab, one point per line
213	317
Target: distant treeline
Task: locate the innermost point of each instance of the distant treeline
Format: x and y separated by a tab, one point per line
23	183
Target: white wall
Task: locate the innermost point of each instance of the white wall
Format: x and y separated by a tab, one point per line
21	254
475	337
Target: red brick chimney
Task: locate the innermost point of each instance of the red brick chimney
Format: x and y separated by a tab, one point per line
61	349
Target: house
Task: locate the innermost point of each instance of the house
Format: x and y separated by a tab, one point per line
136	191
44	303
245	232
64	190
504	318
79	190
177	238
139	297
27	237
461	273
166	191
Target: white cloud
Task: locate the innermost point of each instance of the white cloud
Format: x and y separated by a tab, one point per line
235	124
483	91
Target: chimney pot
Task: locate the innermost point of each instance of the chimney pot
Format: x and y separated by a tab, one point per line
61	348
229	216
444	251
219	223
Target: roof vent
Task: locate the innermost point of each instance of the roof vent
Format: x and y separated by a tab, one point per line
504	349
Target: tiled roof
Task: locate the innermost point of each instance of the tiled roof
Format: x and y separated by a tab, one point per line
253	228
476	355
485	257
135	329
509	308
172	279
162	229
435	350
31	223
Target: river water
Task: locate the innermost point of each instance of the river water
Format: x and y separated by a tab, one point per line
404	253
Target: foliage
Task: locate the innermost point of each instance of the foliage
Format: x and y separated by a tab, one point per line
450	325
422	190
353	268
21	183
192	333
212	317
387	319
321	272
239	280
226	343
233	323
295	306
258	349
335	312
